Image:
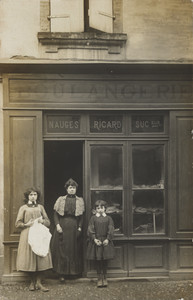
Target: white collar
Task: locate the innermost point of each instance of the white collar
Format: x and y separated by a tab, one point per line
103	214
31	202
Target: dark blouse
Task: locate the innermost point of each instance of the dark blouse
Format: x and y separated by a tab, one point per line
69	210
101	227
70	205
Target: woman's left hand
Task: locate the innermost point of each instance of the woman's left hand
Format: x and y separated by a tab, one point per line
40	220
105	242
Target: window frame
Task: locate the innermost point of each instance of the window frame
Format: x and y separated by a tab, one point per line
127	189
90	39
132	188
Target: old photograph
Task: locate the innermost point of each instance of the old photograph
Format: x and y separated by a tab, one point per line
96	151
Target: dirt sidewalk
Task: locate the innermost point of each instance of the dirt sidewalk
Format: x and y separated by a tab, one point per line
116	290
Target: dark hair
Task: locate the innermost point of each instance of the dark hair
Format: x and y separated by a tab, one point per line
70	182
28	191
101	203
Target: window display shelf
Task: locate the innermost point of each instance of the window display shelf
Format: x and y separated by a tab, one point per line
107	189
151	221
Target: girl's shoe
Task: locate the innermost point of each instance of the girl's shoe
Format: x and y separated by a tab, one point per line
40	287
105	283
32	286
100	281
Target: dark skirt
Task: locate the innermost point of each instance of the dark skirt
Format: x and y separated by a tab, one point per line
66	248
95	252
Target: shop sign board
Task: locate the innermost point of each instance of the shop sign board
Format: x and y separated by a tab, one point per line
63	123
106	124
147	123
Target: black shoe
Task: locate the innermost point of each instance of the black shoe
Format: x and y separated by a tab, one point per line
62	280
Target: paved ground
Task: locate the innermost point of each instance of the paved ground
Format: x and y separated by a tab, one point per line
116	290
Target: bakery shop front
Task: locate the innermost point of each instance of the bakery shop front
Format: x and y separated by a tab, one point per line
124	133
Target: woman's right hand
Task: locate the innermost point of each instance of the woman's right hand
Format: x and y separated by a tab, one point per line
97	242
59	228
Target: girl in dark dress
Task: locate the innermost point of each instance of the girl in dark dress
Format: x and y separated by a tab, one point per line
100	246
66	246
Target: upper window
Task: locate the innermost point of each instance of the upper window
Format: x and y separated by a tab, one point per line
84	24
85	15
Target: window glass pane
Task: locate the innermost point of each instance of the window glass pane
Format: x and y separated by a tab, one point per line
106	167
148	166
148	211
106	180
148	189
114	202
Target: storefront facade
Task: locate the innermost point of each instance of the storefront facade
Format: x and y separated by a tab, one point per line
124	133
101	91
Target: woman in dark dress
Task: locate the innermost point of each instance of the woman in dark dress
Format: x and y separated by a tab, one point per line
100	246
66	246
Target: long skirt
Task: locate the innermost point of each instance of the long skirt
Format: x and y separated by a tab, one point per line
66	248
95	252
27	260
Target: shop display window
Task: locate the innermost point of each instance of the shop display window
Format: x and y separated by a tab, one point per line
107	180
148	189
147	185
114	209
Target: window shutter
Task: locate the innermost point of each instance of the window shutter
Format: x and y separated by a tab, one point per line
67	15
101	15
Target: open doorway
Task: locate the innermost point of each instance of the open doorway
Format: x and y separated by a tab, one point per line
62	160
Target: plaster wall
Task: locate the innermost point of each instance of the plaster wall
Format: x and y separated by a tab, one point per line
158	29
19	24
1	182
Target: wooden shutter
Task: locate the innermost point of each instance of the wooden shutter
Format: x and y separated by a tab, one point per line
101	15
67	15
